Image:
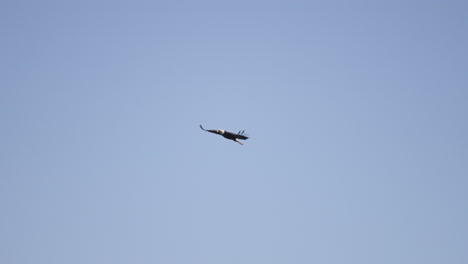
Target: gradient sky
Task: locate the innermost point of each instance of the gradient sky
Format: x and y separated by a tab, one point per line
357	113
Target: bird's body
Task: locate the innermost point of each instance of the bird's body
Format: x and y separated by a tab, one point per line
228	135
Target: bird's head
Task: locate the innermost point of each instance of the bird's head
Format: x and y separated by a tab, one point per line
220	131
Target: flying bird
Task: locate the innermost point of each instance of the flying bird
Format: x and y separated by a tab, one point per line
229	135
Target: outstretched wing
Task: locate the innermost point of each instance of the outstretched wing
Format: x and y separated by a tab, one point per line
208	130
243	137
233	136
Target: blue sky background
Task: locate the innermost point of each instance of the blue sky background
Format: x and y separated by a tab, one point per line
357	113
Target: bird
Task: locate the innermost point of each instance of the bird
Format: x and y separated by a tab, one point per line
229	135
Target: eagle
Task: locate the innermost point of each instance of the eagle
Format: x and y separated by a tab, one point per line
229	135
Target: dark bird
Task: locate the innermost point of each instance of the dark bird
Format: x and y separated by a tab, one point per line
229	135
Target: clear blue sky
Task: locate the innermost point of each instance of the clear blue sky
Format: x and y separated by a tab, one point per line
357	113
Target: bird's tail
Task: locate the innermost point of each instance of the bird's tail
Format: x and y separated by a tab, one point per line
238	142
